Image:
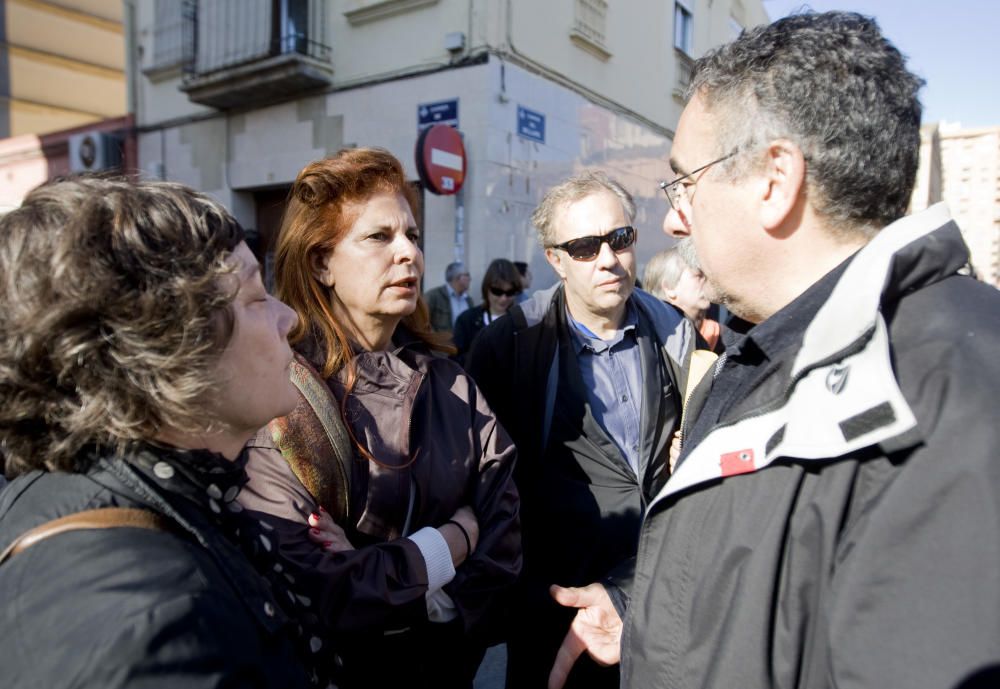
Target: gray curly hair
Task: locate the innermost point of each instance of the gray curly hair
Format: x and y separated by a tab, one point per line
834	85
116	308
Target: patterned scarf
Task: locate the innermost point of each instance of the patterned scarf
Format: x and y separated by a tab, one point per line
212	483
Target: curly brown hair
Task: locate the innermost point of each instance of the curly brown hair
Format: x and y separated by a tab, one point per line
116	299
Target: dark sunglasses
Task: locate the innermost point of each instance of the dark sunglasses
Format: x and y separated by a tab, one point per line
586	248
497	292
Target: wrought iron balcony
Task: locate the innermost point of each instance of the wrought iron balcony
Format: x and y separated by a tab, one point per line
246	52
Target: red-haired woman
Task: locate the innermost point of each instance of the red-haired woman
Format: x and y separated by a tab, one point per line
390	439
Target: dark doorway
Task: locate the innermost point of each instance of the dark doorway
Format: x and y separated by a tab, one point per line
270	205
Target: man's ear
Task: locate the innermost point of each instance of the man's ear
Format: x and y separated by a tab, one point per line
669	295
784	176
319	266
555	260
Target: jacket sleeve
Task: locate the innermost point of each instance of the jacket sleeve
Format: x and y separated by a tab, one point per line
380	586
496	563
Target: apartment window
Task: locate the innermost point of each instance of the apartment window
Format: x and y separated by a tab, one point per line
591	18
234	32
292	26
169	35
684	25
684	69
590	27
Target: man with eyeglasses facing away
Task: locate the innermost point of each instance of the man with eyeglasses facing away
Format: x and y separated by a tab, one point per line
832	520
585	377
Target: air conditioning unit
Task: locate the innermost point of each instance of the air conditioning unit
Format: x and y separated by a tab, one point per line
94	151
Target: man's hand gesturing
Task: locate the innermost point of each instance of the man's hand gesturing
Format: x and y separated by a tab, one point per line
597	629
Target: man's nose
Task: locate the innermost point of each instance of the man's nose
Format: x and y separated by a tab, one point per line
606	256
675	224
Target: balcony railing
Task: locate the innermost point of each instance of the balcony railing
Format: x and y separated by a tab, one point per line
240	52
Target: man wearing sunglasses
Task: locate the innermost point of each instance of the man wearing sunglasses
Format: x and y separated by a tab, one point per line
584	377
832	520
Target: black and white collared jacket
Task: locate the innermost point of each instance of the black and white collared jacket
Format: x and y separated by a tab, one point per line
839	526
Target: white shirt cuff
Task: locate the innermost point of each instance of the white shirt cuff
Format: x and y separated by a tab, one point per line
440	607
437	557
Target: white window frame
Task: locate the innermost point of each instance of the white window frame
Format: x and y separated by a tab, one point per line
684	26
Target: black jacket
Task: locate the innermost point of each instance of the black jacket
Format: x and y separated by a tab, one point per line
131	607
839	526
581	504
467	326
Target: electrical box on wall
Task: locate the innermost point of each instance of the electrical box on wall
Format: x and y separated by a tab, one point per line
94	151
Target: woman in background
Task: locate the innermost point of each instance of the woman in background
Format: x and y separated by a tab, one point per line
501	287
390	439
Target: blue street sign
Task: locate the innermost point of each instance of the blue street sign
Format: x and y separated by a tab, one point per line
530	124
441	112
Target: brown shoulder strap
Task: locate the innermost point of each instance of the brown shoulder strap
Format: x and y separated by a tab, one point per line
101	518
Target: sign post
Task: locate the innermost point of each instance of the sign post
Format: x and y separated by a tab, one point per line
441	163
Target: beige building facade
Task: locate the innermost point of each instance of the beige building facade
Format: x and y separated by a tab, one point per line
62	82
63	64
235	96
962	168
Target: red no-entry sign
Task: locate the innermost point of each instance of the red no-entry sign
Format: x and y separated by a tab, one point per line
441	160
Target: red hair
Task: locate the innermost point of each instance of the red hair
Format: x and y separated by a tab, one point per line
314	222
316	219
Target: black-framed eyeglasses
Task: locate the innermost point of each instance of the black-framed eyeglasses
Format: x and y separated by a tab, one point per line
677	190
587	248
497	292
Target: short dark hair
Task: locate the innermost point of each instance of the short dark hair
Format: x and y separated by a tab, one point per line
522	267
453	271
835	86
499	270
116	306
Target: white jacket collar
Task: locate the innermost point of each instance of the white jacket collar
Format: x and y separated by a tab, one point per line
842	394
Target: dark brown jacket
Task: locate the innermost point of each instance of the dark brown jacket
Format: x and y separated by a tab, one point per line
425	422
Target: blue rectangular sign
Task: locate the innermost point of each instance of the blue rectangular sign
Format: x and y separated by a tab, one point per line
530	124
441	112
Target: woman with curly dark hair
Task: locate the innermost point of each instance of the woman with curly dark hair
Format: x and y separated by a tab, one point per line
392	453
138	354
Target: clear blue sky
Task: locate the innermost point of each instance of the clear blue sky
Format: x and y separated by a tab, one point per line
953	44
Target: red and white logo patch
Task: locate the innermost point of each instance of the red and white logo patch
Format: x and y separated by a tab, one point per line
739	462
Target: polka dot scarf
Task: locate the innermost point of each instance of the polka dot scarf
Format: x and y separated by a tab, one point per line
212	482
